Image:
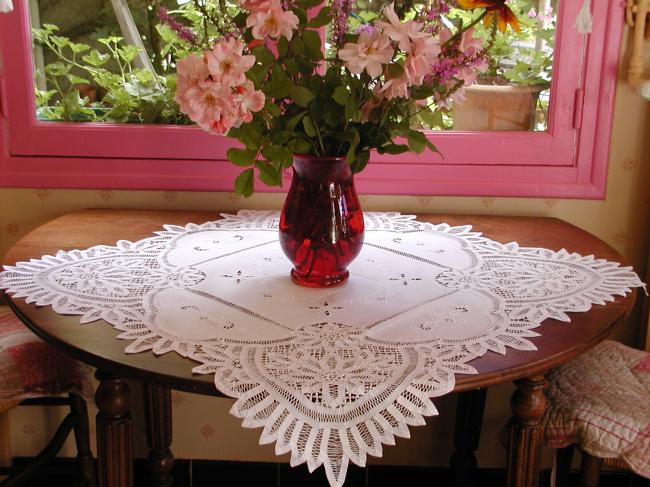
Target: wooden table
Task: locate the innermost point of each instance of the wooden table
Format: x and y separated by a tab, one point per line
96	345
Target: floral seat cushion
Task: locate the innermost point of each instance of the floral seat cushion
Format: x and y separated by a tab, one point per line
601	401
31	368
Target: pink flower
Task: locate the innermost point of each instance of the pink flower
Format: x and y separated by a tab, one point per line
254	5
396	87
272	21
190	71
250	100
401	32
212	107
420	59
226	62
370	52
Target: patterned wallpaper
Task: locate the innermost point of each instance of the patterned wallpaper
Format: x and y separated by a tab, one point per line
201	424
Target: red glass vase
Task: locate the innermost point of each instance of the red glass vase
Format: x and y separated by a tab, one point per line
321	225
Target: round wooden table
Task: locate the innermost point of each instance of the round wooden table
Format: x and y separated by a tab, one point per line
96	345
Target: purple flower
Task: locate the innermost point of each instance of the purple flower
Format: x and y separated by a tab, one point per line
181	30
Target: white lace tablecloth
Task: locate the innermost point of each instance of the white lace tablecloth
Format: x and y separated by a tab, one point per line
329	374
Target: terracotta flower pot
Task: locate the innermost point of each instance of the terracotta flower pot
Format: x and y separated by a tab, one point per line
497	107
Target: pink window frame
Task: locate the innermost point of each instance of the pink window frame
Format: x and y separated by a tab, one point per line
569	160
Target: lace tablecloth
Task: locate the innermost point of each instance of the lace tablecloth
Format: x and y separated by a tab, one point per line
329	374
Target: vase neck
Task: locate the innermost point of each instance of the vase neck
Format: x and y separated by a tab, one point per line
334	169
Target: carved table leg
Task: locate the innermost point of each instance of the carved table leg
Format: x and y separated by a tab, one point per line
114	431
526	432
158	411
469	419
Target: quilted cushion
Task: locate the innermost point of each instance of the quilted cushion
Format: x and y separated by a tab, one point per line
31	368
601	401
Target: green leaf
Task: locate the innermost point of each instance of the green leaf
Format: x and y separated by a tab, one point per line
322	18
96	58
341	95
301	13
360	162
432	119
432	147
272	109
352	111
299	146
241	157
244	183
283	46
291	66
331	113
353	146
280	84
128	53
269	175
421	92
77	80
310	130
417	141
144	76
282	137
313	42
301	95
57	69
263	55
308	3
279	154
394	149
78	48
295	120
297	46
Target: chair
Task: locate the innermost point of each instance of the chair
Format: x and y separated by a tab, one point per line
33	373
601	403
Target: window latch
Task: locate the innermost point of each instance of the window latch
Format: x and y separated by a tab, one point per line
578	104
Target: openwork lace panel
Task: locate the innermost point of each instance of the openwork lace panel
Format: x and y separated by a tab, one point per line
329	374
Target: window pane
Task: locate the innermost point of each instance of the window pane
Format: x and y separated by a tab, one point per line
514	92
84	73
110	61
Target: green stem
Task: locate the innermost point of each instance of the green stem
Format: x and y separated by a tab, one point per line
465	29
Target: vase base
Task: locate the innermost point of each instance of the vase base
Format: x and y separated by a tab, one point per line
319	281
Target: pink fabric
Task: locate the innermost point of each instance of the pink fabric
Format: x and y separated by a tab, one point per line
601	401
31	368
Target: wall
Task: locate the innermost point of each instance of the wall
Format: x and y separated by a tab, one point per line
202	424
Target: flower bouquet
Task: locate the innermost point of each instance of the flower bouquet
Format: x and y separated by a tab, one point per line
265	79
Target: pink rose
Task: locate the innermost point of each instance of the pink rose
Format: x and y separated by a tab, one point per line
190	71
370	52
254	5
396	87
401	32
250	100
420	59
212	107
226	62
272	21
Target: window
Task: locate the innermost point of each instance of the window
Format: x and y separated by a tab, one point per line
567	160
